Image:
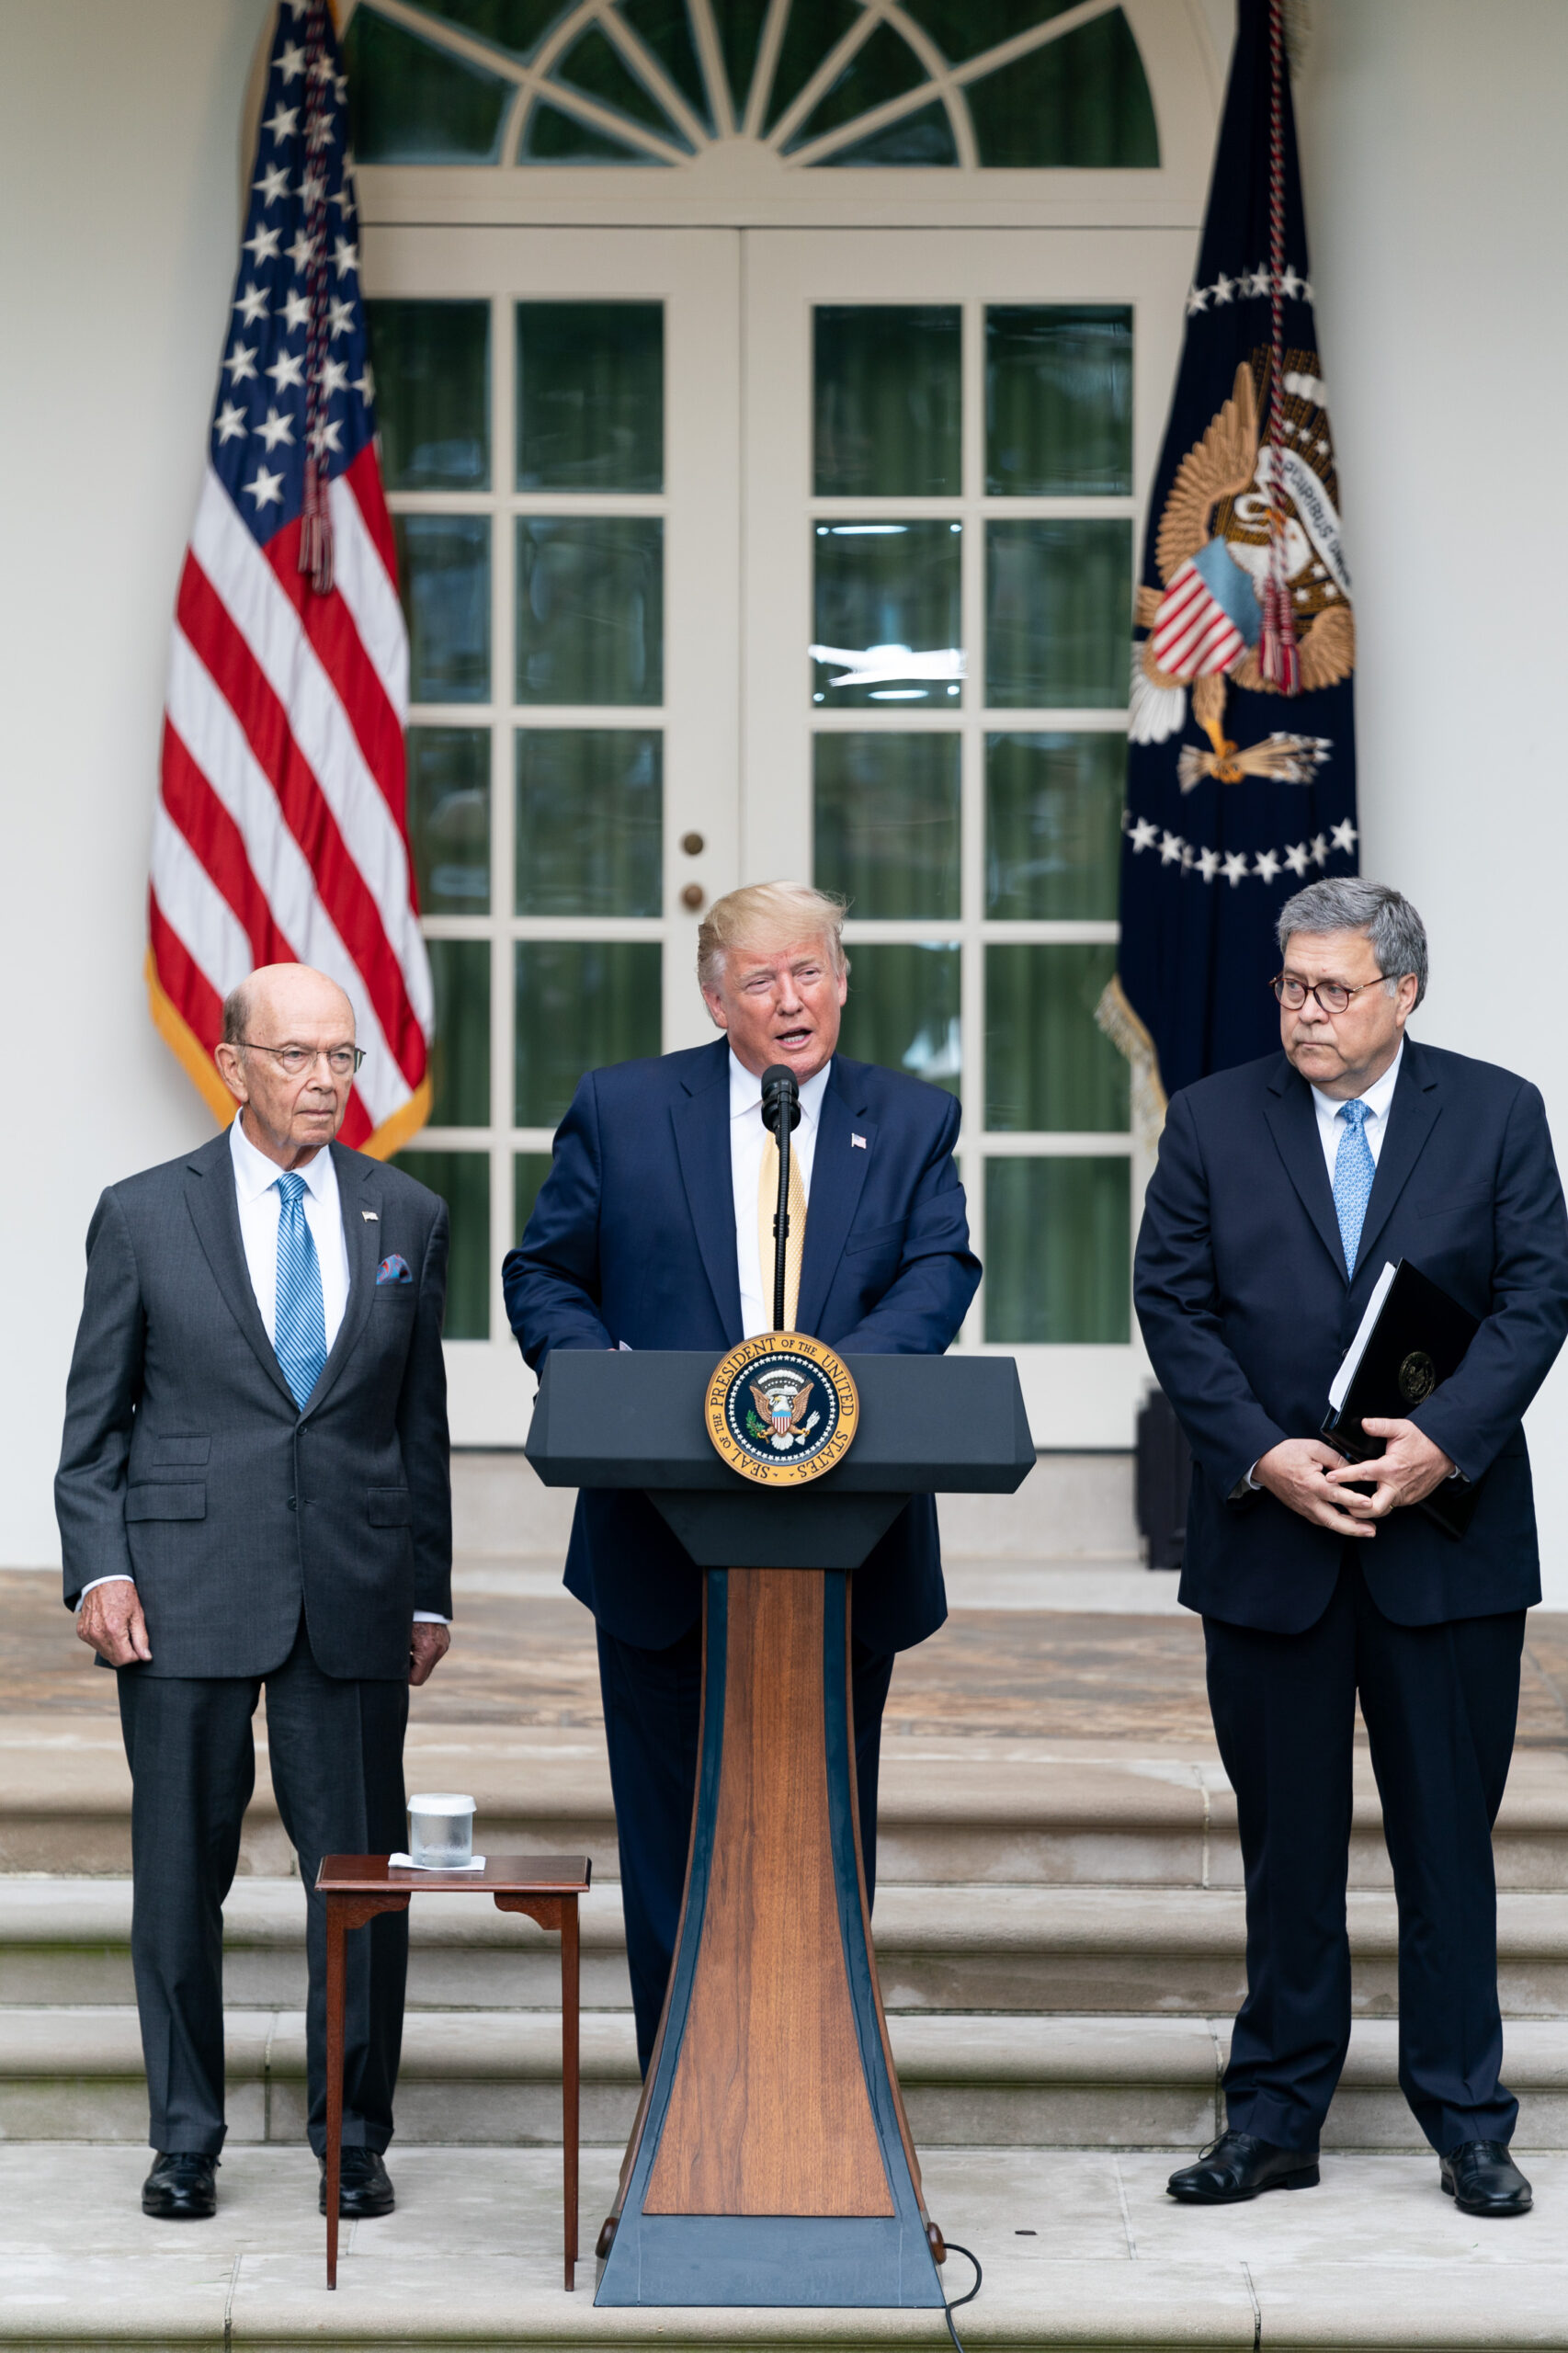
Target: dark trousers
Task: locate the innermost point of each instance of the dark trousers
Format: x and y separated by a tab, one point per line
336	1754
652	1702
1439	1704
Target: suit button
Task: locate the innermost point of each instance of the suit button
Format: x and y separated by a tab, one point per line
291	1502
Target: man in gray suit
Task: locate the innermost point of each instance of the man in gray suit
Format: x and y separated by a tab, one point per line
254	1488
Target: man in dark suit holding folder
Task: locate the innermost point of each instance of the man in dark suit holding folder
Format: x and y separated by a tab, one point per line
1283	1188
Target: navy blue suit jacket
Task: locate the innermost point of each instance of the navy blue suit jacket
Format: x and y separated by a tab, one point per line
633	1239
1246	1313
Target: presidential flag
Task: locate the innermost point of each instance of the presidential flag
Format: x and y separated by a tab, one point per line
281	832
1241	758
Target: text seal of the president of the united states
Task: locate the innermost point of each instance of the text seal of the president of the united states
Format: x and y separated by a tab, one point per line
781	1408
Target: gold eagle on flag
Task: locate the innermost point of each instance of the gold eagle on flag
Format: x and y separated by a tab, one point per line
1211	551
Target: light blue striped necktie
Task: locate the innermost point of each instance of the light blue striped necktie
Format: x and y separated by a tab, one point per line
299	1332
1353	1169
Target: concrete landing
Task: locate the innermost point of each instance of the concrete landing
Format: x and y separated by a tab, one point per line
1079	2249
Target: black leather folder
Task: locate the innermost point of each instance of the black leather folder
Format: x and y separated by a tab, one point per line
1415	1340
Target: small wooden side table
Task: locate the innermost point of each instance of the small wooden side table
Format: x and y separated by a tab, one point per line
356	1887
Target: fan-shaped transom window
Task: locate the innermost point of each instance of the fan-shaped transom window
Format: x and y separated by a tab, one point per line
959	84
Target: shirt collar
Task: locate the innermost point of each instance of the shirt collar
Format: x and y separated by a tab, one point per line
253	1173
746	1091
1378	1096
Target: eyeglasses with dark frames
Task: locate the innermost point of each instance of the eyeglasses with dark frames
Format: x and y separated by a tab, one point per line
1333	996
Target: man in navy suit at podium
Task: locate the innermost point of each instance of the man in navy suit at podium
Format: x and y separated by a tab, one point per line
648	1234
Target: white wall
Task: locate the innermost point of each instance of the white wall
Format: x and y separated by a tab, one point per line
118	211
1436	186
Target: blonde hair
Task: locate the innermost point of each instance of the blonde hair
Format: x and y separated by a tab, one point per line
767	914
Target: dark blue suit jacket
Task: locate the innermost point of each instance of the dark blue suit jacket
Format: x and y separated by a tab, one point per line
1246	1313
633	1239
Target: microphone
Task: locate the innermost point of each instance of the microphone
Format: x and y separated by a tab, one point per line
780	1092
780	1116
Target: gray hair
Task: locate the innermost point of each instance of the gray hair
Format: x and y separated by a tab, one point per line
236	1013
1345	903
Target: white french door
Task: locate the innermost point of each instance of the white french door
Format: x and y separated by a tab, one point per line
637	477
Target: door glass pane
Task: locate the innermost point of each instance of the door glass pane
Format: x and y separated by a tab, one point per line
1058	1240
1058	402
590	609
449	818
883	67
886	402
529	1170
903	1010
1079	103
810	29
590	821
666	25
410	103
594	65
590	396
432	364
885	591
1047	1065
460	1059
961	29
924	139
555	137
462	1179
443	569
1057	607
580	1003
887	822
1053	825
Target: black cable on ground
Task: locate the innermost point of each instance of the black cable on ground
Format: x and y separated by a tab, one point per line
958	2302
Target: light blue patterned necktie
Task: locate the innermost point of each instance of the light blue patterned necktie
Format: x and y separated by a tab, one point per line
1353	1169
299	1334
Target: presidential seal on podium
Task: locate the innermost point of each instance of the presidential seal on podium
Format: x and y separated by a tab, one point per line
781	1408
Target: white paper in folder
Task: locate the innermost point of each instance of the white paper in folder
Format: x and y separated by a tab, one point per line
1358	1348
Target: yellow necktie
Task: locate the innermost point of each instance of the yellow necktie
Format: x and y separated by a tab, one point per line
767	1210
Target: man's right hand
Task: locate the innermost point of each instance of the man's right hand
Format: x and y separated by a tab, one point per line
1296	1471
111	1621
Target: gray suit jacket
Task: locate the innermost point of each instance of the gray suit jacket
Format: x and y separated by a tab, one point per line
188	1465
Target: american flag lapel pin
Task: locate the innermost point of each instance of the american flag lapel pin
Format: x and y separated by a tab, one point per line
857	1143
370	1217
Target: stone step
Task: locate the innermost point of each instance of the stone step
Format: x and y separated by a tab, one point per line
493	2079
959	1811
1135	1951
1081	2249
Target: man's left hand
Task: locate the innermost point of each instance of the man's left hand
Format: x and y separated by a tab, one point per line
1409	1468
427	1646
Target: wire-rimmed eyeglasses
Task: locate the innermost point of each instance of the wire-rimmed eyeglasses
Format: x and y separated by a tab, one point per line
342	1061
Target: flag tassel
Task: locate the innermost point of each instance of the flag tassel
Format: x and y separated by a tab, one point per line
315	522
1278	654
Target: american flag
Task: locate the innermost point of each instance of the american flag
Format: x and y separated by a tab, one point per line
281	832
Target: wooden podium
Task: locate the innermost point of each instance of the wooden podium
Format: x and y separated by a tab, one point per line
771	2161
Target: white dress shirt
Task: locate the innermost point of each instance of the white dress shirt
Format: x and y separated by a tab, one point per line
748	1140
1375	1127
259	1206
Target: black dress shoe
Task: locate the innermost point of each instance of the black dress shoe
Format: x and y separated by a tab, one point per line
1237	2166
180	2187
364	2186
1482	2178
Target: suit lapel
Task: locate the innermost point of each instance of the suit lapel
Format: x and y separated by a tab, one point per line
701	1122
839	1175
215	1213
1412	1114
356	1190
1294	1122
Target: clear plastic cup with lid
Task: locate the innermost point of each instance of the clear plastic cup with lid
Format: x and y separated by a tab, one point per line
440	1830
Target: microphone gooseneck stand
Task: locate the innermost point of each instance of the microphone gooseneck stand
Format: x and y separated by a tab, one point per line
781	1116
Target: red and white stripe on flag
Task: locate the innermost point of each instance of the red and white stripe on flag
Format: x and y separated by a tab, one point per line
281	832
1194	635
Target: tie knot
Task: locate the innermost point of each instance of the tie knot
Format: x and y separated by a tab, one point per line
1355	1114
291	1185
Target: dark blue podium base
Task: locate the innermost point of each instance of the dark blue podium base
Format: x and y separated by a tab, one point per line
771	2091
